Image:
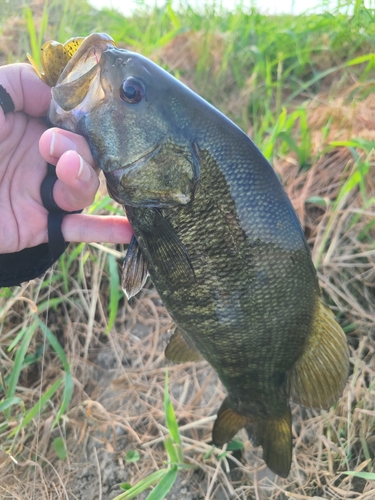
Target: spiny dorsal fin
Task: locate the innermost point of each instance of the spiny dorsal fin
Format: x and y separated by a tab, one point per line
179	351
275	436
134	270
227	424
318	377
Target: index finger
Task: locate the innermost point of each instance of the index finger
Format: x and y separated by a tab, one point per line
28	92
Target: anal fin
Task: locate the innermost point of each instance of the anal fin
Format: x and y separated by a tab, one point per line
318	377
134	270
179	351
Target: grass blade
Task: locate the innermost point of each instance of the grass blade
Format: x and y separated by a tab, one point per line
17	339
369	476
60	448
114	293
18	362
30	24
54	343
67	396
7	403
170	416
39	405
143	485
68	378
163	487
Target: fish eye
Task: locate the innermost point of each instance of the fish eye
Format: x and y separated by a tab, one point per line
132	90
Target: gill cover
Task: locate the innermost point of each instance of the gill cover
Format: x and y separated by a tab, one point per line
166	176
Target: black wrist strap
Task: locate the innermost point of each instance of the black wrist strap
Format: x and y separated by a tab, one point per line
6	102
30	263
56	241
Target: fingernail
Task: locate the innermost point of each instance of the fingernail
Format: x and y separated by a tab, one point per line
59	144
84	172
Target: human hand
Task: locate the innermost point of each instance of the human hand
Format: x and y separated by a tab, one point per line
23	166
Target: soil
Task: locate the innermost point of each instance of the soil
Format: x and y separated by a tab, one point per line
96	472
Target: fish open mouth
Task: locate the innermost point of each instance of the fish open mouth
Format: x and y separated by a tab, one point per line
78	89
86	58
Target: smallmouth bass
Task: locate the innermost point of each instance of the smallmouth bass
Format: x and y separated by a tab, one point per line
218	235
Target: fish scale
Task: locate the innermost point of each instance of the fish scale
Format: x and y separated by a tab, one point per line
251	346
218	236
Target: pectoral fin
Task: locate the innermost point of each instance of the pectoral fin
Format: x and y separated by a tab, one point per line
134	270
179	351
167	254
319	375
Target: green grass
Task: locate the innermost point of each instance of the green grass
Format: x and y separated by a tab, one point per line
265	73
166	477
267	60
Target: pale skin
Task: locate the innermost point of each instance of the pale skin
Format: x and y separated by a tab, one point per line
26	145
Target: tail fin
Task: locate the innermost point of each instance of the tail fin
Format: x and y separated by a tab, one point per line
318	377
227	424
273	434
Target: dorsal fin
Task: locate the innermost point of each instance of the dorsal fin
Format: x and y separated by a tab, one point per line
318	377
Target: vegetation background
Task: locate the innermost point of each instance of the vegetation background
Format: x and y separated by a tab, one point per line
83	408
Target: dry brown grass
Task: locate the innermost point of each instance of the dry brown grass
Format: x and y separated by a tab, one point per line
119	379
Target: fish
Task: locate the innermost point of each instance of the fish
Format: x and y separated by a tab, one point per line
217	234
